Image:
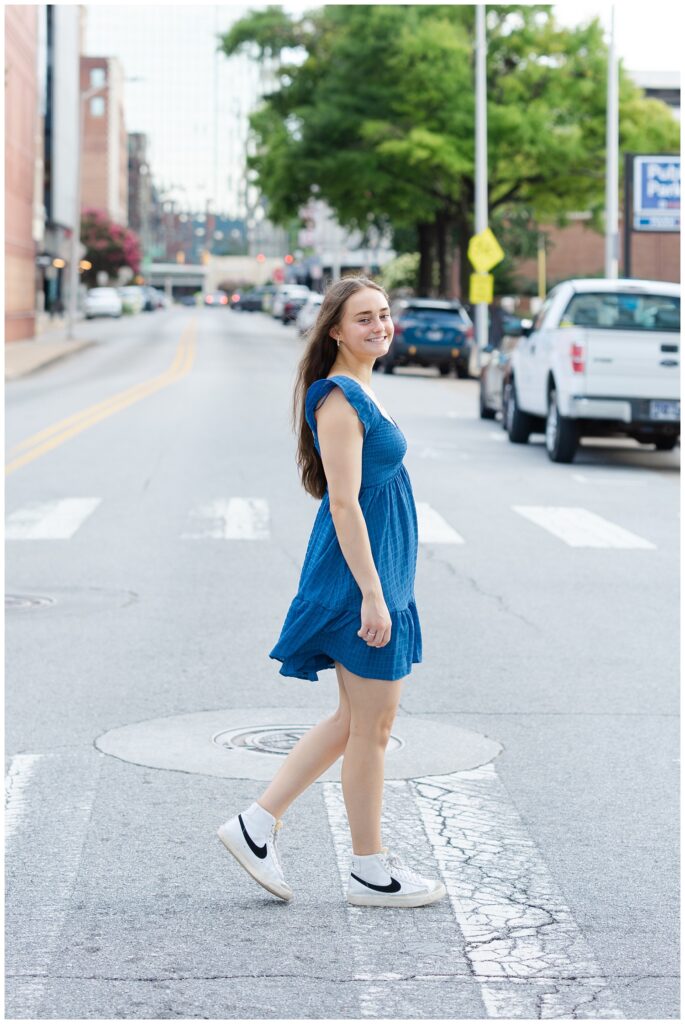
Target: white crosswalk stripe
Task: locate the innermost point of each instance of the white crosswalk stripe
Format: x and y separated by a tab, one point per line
18	777
249	519
49	799
580	528
433	529
231	519
522	942
436	953
516	938
50	520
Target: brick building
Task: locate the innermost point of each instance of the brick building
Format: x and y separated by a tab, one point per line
578	251
104	161
21	133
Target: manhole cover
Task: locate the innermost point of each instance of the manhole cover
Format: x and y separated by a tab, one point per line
26	601
273	739
224	743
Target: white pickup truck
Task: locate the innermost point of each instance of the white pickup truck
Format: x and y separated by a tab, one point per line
601	359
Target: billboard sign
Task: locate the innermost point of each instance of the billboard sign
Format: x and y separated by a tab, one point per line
656	193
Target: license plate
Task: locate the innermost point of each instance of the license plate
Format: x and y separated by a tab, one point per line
664	410
434	335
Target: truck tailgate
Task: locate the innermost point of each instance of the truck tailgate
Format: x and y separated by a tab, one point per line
631	364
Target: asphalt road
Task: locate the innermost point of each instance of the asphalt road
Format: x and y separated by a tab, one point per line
155	533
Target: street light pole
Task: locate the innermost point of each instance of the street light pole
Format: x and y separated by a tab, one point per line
611	212
481	166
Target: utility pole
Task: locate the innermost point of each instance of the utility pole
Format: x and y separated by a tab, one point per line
481	166
611	211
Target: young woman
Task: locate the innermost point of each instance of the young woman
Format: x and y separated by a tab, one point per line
360	563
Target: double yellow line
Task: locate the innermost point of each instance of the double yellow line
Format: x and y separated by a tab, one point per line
38	444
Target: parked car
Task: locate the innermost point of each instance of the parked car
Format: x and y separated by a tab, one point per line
510	325
292	306
306	318
215	299
494	362
601	359
133	298
188	300
286	291
102	302
269	292
153	299
429	332
250	300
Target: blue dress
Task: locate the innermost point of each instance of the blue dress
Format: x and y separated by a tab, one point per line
322	623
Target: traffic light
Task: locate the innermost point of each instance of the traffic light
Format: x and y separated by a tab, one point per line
289	258
260	257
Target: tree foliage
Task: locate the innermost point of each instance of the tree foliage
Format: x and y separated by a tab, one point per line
375	106
109	246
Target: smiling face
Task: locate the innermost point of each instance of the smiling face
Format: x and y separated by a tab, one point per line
365	329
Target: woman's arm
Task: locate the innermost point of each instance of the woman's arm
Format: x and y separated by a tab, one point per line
341	435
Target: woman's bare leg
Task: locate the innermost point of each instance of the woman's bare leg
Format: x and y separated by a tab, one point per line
373	706
318	749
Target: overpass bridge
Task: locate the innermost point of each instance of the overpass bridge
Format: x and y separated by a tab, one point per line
177	279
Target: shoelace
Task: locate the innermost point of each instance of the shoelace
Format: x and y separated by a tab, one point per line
274	847
395	864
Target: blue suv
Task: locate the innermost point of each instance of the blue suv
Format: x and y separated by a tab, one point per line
429	332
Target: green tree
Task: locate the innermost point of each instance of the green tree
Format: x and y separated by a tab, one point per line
375	106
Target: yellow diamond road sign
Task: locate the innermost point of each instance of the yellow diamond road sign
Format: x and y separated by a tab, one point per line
481	288
484	251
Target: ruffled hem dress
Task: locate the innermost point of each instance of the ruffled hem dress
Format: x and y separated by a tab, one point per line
321	625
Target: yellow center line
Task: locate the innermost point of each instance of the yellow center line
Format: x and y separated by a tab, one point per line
44	441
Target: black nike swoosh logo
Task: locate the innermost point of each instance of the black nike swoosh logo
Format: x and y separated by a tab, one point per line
259	851
394	885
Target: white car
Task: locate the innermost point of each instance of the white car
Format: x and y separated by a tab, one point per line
601	359
306	318
283	293
102	302
133	298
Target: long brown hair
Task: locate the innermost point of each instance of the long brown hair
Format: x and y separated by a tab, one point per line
318	358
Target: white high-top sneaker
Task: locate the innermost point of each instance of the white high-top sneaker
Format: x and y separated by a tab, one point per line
251	838
382	880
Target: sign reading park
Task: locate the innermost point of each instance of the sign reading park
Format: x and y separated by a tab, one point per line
656	193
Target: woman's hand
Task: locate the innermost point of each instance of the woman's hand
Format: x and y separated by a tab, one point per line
376	622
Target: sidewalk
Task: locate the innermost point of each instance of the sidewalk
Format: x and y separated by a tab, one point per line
30	354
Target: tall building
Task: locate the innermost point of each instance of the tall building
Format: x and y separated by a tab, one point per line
21	135
104	160
140	190
41	132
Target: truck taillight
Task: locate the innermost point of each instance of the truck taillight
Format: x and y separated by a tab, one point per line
468	334
577	357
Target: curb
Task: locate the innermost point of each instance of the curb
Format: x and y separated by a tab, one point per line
23	358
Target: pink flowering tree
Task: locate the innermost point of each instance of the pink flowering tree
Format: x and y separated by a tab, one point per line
109	246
